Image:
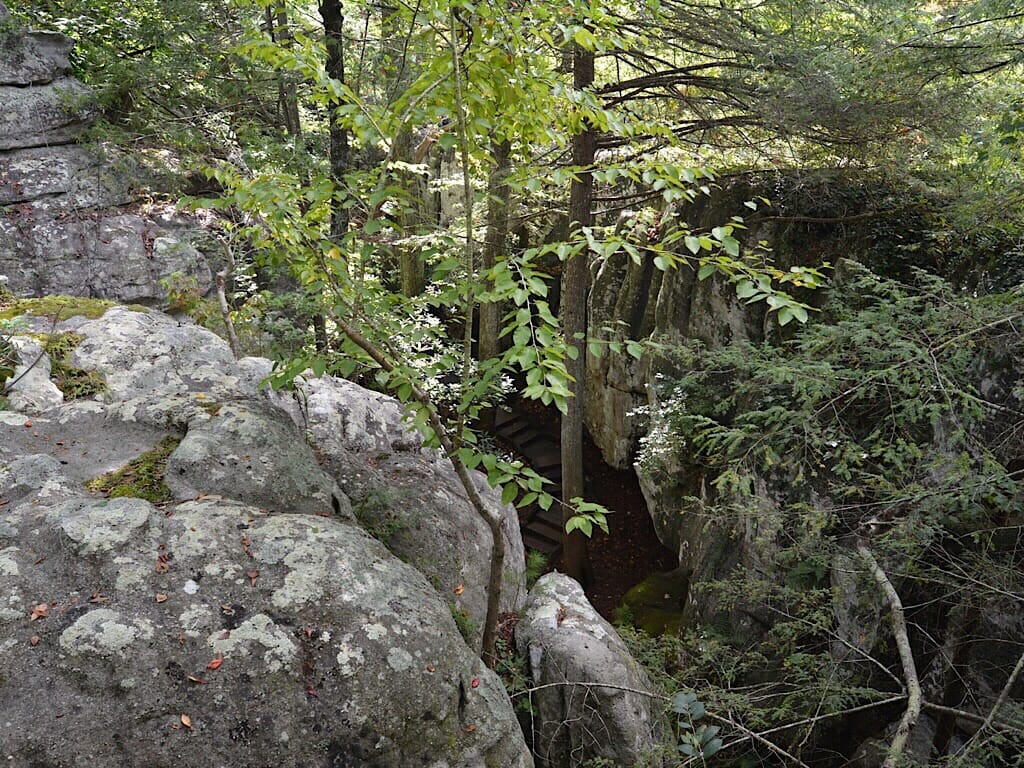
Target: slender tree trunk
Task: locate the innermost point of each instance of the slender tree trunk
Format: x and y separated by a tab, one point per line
575	278
495	243
334	37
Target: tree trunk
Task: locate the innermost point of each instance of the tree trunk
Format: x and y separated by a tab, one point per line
495	243
574	322
334	38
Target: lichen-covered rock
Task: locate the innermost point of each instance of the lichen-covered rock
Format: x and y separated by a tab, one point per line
116	254
409	497
331	652
59	178
596	713
252	452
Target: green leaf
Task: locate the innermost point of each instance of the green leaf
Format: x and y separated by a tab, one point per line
508	493
706	271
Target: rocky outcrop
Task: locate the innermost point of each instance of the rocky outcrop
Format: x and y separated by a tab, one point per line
594	701
69	220
243	618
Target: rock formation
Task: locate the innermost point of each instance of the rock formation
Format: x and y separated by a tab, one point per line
69	220
239	616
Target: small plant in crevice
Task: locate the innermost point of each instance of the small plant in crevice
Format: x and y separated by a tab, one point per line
142	477
694	740
536	566
467	627
72	381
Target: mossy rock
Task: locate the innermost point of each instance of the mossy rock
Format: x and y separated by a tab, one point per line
142	477
656	604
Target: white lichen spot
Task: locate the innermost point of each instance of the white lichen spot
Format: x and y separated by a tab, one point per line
279	650
399	659
8	565
191	587
130	573
349	656
375	631
104	632
196	619
102	526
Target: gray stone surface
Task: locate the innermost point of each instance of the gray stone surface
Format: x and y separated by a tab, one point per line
118	254
334	653
33	58
409	497
70	221
595	714
66	177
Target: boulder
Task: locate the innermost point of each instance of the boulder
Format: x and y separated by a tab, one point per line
328	650
253	624
32	389
410	498
599	704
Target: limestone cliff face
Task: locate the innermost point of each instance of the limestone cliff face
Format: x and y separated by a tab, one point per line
70	221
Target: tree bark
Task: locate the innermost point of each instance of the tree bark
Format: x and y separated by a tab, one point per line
334	38
575	278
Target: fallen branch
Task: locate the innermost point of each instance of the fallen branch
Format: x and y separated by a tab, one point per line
899	631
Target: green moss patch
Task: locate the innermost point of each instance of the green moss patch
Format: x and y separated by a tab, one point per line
142	477
655	605
55	307
74	382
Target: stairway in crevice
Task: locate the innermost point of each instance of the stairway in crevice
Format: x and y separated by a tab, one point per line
540	449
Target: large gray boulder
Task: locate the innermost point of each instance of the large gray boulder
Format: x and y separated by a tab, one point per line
252	452
325	648
409	496
598	702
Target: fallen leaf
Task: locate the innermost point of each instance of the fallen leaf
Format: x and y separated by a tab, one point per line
98	598
224	635
161	597
186	721
312	691
253	575
475	682
215	664
469	728
162	566
37	562
40	611
28	424
430	668
460	589
198	680
34	641
308	631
